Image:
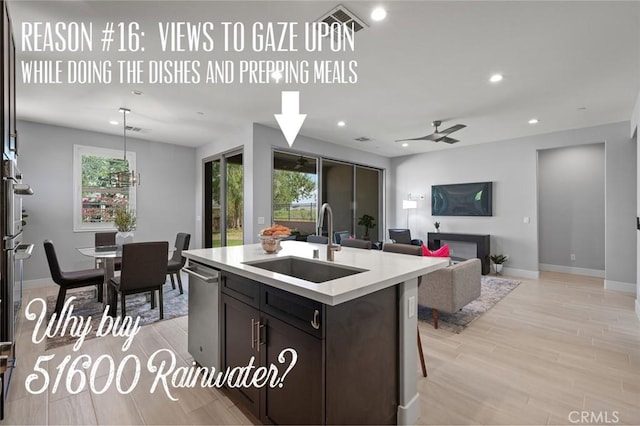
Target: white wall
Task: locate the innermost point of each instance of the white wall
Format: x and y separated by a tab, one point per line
635	121
511	165
571	200
164	199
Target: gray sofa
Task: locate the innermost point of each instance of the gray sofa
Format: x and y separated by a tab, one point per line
449	289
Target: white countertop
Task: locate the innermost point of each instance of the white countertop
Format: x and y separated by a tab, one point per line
382	269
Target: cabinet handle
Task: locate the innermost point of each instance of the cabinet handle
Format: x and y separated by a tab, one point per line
259	337
253	333
315	324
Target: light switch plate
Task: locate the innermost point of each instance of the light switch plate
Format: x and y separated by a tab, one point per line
412	306
260	220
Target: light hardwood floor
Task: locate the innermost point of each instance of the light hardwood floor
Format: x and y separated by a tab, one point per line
550	350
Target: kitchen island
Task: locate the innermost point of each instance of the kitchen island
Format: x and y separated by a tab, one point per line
354	329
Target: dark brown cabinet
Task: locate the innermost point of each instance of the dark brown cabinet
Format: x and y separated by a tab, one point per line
250	332
347	355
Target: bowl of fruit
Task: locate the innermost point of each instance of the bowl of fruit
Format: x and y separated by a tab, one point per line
270	237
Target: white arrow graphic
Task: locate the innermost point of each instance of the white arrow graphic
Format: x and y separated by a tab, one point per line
290	120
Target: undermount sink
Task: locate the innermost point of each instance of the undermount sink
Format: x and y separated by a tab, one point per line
304	269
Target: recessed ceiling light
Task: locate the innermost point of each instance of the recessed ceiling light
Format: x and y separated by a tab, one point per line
378	14
404	145
495	78
276	75
341	123
137	92
114	122
534	121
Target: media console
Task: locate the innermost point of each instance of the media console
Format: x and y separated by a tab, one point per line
481	241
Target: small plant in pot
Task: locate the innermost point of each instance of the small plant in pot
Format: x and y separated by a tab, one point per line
369	222
437	225
498	260
125	222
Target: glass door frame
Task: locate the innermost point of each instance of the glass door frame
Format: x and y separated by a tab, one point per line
207	210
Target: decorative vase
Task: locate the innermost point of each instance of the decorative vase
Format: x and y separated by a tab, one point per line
123	238
498	268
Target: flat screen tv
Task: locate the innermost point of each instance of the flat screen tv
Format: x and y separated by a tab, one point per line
462	199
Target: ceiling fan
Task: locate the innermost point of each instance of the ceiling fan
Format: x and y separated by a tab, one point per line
301	163
439	135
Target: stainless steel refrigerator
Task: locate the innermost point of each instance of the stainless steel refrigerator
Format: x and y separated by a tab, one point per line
12	189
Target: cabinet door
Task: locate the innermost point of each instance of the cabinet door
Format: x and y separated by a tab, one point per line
239	345
301	399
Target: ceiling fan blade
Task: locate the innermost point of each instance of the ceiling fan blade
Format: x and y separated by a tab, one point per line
448	140
423	138
452	129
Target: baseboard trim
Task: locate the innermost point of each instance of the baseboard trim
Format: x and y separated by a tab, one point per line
39	283
408	414
620	286
522	273
598	273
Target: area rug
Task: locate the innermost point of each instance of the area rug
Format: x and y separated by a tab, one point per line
493	289
138	305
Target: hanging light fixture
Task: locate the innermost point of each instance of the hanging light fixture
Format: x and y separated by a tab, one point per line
125	178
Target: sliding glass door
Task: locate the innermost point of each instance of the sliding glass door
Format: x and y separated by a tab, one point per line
223	200
295	192
301	183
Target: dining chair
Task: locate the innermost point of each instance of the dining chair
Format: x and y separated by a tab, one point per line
356	243
71	279
415	251
102	239
318	239
144	269
177	261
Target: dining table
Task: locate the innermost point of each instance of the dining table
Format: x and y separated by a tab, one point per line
107	256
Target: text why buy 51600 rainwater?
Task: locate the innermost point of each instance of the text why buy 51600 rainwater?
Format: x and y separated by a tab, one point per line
189	53
78	371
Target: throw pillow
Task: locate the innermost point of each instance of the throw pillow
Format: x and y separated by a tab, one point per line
441	252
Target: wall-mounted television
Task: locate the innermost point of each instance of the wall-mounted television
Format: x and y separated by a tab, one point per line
462	199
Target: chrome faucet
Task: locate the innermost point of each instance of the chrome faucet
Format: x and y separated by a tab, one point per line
330	246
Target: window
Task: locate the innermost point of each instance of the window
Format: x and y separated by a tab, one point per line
95	192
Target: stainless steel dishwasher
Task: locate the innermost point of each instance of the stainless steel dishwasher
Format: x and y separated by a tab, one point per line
204	308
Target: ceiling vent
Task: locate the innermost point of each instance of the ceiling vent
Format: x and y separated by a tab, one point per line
363	139
342	15
134	129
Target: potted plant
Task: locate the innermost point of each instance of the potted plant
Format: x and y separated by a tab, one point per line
125	222
368	222
498	260
437	225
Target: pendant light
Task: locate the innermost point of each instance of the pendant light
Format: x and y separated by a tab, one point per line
126	177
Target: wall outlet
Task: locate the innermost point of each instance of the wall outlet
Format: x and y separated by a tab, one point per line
526	219
573	256
260	220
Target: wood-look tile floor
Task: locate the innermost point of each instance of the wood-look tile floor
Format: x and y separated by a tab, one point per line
552	349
